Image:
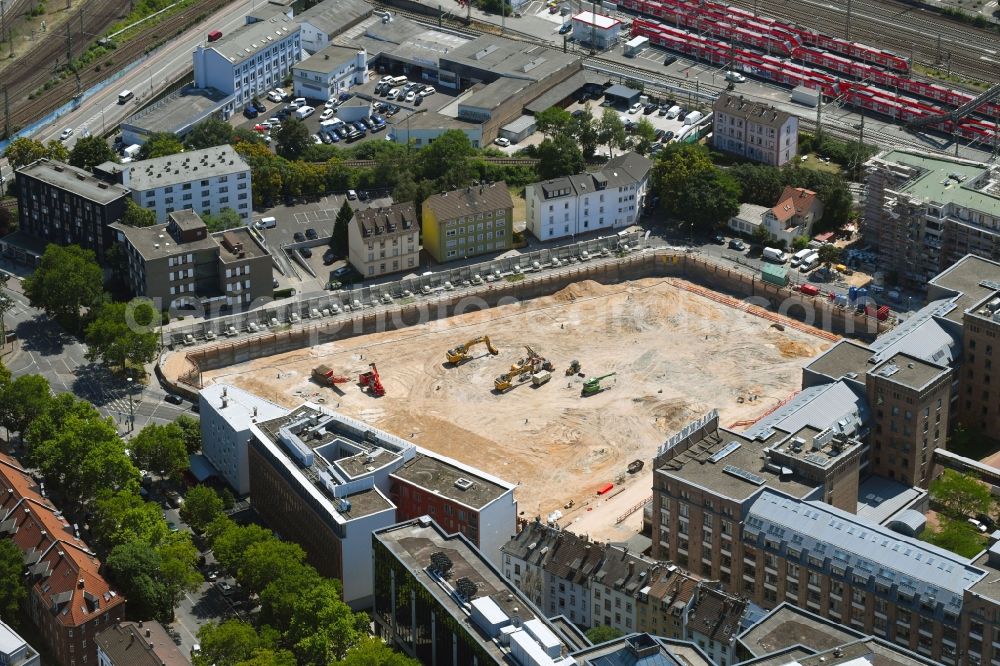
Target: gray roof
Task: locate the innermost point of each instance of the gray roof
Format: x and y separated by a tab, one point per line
520	124
439	477
469	201
632	163
964	279
395	220
71	179
820	407
184	167
250	247
910	371
618	90
140	644
737	105
246	40
406	40
179	111
826	532
788	626
921	335
564	89
642	650
155	243
626	169
911	518
505	57
844	358
334	16
494	94
329	60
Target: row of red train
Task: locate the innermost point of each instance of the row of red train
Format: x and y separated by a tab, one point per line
779	70
775	37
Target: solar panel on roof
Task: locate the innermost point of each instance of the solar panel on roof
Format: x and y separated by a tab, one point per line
725	451
741	473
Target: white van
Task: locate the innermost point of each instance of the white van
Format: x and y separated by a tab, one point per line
810	262
125	96
673	111
267	223
799	256
693	117
774	255
304	112
397	81
131	151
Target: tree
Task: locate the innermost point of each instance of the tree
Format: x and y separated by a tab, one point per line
338	240
602	634
67	279
134	567
201	506
226	219
122	333
179	568
553	121
800	242
372	651
137	216
13	591
160	449
23	399
22	151
958	536
229	541
448	160
611	131
90	151
227	643
57	150
585	130
123	517
210	132
645	135
293	139
160	144
269	657
323	627
960	494
829	254
191	428
709	201
266	561
558	157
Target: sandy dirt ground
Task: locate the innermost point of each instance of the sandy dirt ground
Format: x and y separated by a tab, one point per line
676	355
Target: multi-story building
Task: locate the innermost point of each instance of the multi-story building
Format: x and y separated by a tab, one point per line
439	600
69	601
249	60
325	20
643	648
926	212
713	622
226	414
330	72
755	131
61	204
467	222
179	264
794	214
611	198
138	644
327	482
14	650
663	602
205	181
384	240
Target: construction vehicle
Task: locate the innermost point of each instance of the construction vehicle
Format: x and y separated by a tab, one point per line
635	466
539	361
325	376
527	368
541	377
461	353
574	367
370	380
593	385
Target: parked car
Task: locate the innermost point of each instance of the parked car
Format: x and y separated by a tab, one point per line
566	27
410	96
173	399
352	195
669	60
250	112
311	234
735	77
648	109
259	105
663	110
306	252
342	271
316	138
329	257
718	239
298	102
298	237
667	136
224	587
393	94
635	108
326	115
502	141
427	91
344	96
737	244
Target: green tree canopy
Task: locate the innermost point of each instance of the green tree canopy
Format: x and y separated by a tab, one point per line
201	506
57	150
160	144
586	132
692	188
89	151
122	333
179	567
209	132
230	541
559	156
13	591
134	567
227	643
829	254
22	400
448	160
611	131
160	449
123	517
22	151
960	494
602	634
958	536
554	121
227	218
266	561
293	139
323	627
191	428
372	651
137	216
338	240
66	280
645	135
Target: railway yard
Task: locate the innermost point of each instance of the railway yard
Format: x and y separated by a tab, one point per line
674	356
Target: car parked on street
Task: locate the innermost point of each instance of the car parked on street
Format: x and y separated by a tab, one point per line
635	108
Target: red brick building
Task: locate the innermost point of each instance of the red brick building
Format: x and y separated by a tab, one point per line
69	601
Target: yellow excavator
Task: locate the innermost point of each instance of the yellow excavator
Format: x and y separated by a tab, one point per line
532	365
461	353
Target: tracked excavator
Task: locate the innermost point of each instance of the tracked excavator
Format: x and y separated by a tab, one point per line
460	353
533	366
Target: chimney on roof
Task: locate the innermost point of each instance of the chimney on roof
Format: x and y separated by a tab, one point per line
80	583
631	568
148	633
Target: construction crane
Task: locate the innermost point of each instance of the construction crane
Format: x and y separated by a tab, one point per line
593	385
461	353
370	380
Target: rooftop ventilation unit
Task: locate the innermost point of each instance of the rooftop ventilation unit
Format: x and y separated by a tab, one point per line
344	506
462	483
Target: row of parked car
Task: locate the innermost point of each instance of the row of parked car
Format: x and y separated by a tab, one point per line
397	87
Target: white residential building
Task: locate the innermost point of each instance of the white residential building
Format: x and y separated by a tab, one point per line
250	60
227	413
205	181
325	20
611	198
330	72
14	651
753	130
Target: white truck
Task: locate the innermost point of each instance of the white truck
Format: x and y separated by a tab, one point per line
774	255
809	262
132	151
799	256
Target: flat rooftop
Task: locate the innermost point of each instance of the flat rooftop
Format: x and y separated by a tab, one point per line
944	181
329	60
251	248
989	585
241	406
505	57
333	18
842	359
787	626
909	371
598	20
178	111
440	477
78	181
155	243
249	39
642	649
184	167
873	651
966	276
879	498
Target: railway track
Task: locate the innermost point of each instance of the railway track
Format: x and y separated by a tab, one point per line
27	110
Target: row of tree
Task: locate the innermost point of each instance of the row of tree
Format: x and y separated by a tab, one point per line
762	184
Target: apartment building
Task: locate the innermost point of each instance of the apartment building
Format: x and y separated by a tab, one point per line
138	644
69	601
384	240
611	198
327	482
330	72
794	214
925	213
440	601
14	650
713	622
755	131
179	264
249	60
205	181
468	221
59	203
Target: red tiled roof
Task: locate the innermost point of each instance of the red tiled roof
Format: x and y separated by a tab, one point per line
800	199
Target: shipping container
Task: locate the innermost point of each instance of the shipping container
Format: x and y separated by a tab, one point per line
605	489
774	275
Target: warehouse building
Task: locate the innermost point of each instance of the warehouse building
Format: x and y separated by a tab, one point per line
596	30
330	72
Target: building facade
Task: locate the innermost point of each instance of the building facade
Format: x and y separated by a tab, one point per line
179	264
794	214
467	222
138	644
250	60
596	30
205	181
381	241
755	131
330	72
325	20
61	204
611	198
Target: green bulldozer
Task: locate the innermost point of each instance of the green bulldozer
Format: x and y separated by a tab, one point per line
593	385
